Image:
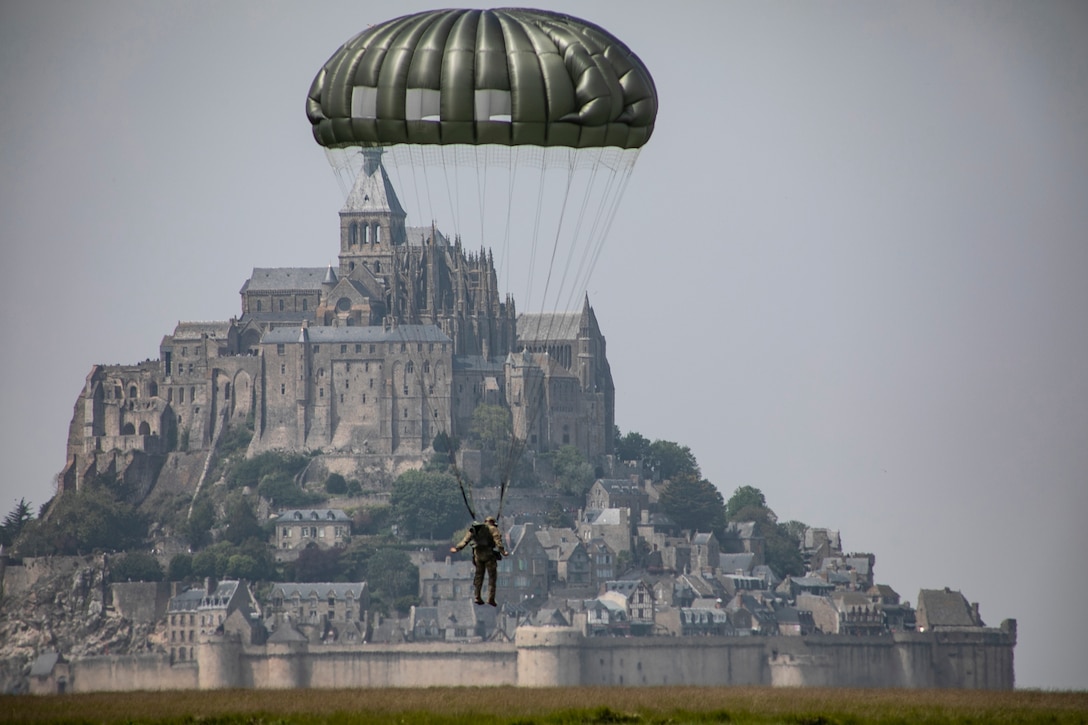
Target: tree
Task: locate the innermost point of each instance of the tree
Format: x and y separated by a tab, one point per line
632	447
315	564
391	575
180	568
573	474
672	460
491	428
694	504
198	527
241	523
14	522
336	484
782	550
280	488
427	504
92	518
135	566
744	497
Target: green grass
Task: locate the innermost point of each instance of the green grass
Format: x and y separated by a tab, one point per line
510	706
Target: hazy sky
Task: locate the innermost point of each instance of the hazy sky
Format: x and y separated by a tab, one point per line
850	268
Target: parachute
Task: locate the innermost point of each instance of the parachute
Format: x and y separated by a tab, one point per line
516	129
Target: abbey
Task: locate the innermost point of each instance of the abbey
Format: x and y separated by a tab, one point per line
401	342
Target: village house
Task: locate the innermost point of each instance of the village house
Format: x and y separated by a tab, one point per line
323	611
637	598
298	529
945	609
445	580
201	611
523	573
568	562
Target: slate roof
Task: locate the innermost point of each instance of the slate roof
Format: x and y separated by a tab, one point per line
550	326
286	632
732	563
945	608
307	515
323	590
373	193
463	363
608	517
319	334
197	330
44	664
273	279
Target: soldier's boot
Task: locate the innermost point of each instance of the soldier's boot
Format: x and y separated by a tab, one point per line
491	596
478	599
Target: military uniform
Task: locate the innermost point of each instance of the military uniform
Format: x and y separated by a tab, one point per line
485	555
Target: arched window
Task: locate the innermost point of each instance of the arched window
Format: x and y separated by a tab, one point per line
258	305
154	389
410	367
226	391
426	366
128	429
145	429
353	235
377	234
132	391
281	305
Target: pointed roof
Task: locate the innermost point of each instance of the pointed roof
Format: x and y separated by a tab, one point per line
330	276
373	191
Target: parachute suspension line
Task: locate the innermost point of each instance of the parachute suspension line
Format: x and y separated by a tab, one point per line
534	244
511	184
561	301
614	206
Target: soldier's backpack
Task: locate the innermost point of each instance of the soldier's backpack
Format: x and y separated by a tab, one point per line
481	539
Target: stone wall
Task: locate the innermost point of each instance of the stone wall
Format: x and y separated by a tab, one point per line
979	658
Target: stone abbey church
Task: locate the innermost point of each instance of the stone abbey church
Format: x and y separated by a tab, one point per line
370	360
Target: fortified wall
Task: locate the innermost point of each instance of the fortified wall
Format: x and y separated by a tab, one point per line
976	658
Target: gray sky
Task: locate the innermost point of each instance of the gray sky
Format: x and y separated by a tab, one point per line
857	242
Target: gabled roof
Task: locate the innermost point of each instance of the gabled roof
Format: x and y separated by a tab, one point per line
273	279
549	326
374	193
286	632
44	664
733	563
311	515
322	590
324	334
945	608
439	570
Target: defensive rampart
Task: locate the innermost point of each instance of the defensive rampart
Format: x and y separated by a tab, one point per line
976	658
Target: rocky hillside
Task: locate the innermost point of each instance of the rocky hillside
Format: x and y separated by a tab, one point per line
62	604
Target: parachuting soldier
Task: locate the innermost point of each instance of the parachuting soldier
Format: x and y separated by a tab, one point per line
487	550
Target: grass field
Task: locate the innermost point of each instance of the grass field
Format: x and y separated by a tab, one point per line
487	706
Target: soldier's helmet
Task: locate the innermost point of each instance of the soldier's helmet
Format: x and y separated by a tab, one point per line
489	520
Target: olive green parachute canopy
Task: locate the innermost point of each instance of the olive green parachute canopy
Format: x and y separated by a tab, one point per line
506	76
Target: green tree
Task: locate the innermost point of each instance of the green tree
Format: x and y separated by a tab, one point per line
135	566
781	550
391	574
280	488
241	523
180	568
315	564
92	518
427	504
242	566
198	527
632	447
336	484
14	522
694	504
671	460
745	497
781	542
205	564
573	474
491	428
